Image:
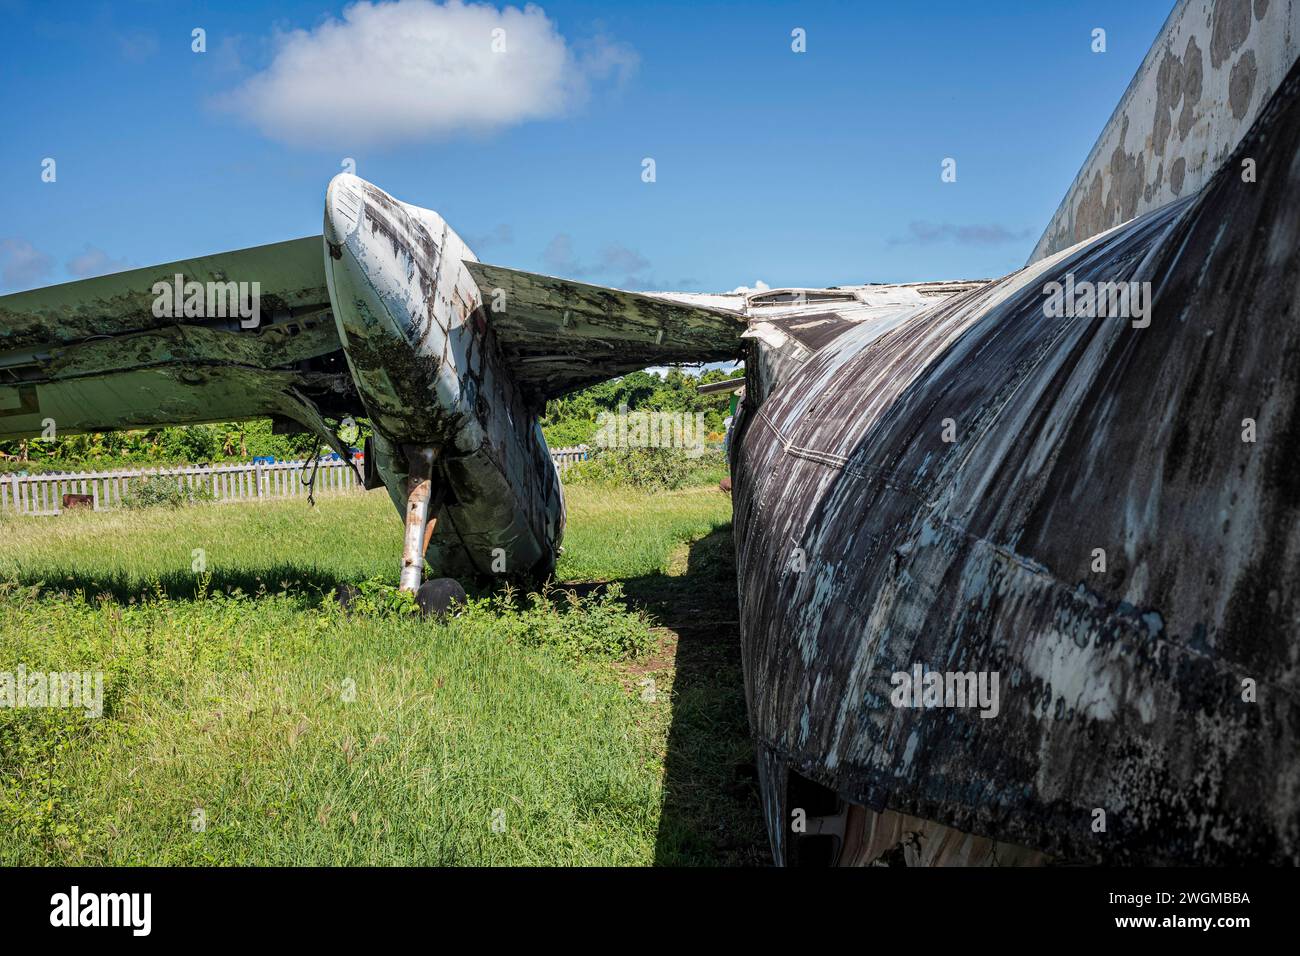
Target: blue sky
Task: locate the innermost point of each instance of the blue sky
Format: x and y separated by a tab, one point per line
811	169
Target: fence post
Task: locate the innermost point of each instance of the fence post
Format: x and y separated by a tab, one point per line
257	473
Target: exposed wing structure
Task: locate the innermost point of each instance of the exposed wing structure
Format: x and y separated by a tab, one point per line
558	335
98	355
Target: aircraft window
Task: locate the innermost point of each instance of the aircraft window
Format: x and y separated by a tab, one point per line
797	296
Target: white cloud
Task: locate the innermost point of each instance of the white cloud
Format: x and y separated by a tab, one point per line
95	262
22	264
614	258
415	70
759	286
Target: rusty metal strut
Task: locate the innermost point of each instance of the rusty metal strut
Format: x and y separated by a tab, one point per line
419	493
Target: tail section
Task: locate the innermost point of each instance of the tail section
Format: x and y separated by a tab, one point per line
1203	84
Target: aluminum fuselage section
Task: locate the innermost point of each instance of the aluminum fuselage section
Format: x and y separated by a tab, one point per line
1102	511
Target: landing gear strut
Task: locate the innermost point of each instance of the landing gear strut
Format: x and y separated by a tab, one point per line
420	519
424	498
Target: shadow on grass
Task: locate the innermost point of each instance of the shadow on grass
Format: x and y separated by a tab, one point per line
711	813
183	586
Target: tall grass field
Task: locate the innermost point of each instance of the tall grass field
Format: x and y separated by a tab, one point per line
247	718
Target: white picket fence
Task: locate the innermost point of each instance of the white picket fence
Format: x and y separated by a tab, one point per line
564	457
43	494
39	495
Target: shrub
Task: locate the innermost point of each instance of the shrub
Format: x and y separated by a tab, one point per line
577	627
652	469
151	491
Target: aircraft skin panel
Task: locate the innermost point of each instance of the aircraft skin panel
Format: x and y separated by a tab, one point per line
150	397
1119	688
783	337
290	276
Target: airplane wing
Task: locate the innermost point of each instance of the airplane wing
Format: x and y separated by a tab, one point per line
558	335
92	355
95	355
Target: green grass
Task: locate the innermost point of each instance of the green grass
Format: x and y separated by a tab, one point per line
611	533
616	533
243	698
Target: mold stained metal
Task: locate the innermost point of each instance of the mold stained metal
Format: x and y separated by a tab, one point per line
1119	690
1203	83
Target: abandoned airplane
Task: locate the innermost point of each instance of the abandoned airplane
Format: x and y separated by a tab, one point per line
1017	558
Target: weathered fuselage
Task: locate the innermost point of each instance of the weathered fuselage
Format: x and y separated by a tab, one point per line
1101	510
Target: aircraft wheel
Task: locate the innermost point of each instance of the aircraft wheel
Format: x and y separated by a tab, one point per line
345	594
438	596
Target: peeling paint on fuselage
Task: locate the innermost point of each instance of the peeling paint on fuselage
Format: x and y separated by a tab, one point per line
430	374
1121	689
1199	89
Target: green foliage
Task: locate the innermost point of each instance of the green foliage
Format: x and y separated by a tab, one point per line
224	691
152	491
234	703
182	444
577	627
649	469
377	598
598	625
35	744
573	419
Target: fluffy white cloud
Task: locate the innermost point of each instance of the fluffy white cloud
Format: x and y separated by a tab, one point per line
414	69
